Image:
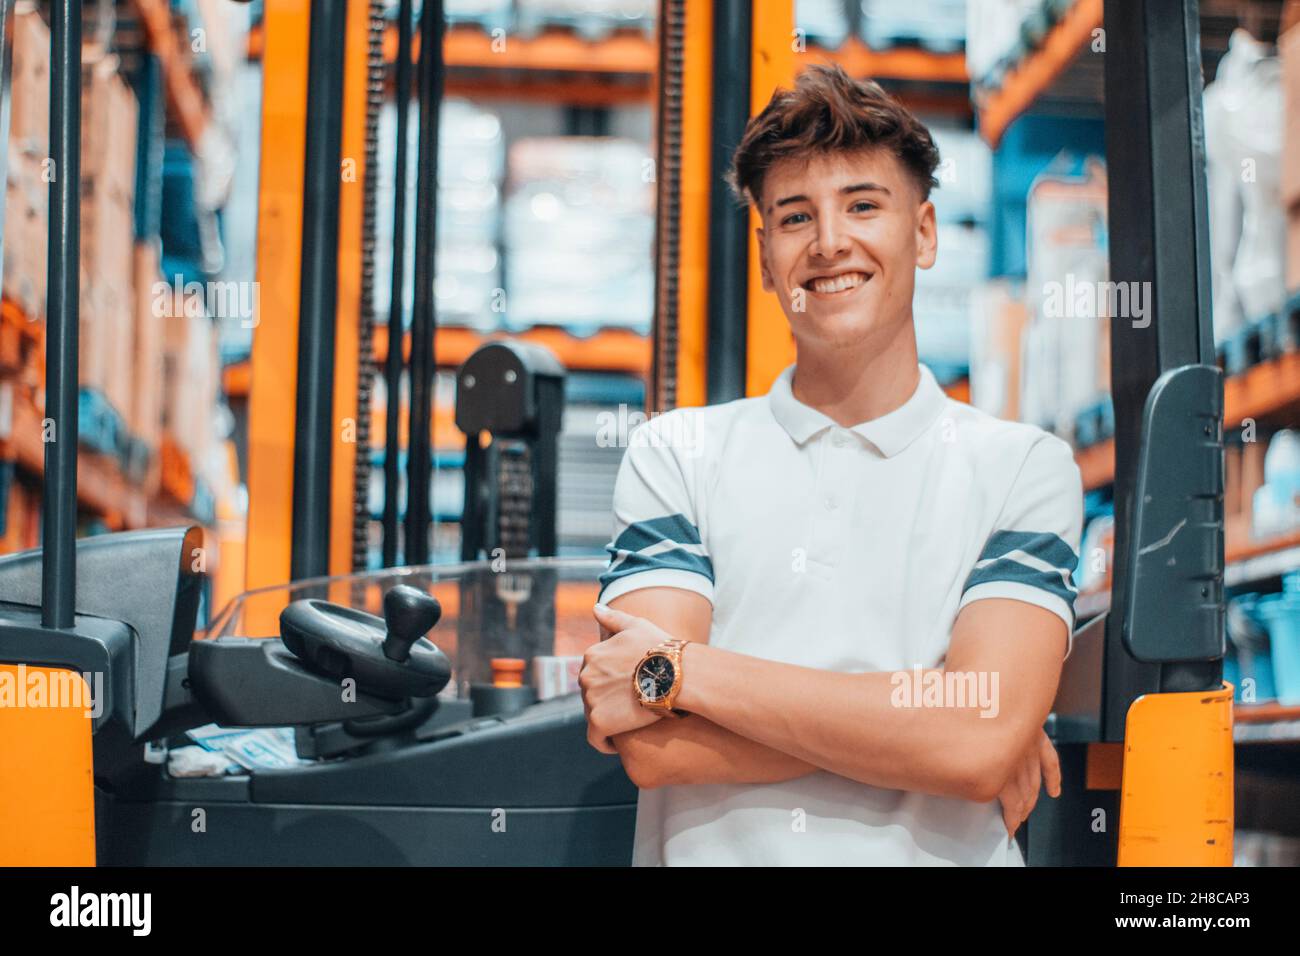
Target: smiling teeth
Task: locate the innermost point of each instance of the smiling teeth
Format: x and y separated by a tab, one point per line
850	280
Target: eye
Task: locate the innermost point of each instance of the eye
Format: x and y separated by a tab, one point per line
863	205
794	219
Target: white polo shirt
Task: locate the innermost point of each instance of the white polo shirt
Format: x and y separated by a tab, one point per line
847	549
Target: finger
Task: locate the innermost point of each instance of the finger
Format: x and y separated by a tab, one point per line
599	740
1009	816
1034	790
613	620
1051	762
1030	785
1018	797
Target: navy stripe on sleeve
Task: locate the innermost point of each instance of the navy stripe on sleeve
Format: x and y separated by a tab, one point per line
1039	560
668	542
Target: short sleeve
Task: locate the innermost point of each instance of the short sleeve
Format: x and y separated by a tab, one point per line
656	540
1033	549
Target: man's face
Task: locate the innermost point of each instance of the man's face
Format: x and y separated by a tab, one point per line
843	235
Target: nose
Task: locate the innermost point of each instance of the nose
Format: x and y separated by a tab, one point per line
832	240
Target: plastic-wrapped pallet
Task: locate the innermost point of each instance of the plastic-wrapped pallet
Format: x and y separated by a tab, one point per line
938	25
1288	46
1243	142
965	175
592	19
824	22
471	166
997	327
486	14
941	303
579	232
993	41
1070	300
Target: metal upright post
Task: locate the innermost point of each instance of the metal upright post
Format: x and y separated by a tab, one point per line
419	464
59	500
728	305
393	363
318	295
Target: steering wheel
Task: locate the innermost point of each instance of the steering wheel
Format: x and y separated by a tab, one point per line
387	657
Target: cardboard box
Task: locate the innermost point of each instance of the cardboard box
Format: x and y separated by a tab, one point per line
1231	479
1288	48
1252	472
109	120
29	110
25	233
190	380
1293	248
146	411
1288	51
998	320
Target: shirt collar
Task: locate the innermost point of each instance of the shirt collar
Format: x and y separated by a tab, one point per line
889	433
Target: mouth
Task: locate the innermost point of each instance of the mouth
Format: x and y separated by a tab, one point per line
836	285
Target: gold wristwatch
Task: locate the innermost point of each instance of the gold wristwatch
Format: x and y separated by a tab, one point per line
657	680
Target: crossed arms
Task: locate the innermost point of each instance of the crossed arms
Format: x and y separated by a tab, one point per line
759	721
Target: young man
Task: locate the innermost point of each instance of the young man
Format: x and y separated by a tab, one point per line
872	581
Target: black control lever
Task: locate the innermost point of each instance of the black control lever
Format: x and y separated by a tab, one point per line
387	657
409	614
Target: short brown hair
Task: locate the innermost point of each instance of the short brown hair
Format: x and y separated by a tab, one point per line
830	112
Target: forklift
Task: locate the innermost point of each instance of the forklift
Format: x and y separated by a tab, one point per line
446	754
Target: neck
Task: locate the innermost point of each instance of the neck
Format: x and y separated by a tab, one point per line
856	384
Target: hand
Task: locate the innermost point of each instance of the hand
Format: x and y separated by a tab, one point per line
1020	794
605	678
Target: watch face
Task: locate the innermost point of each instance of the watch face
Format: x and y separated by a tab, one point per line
654	678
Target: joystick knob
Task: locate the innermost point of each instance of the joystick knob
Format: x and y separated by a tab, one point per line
409	614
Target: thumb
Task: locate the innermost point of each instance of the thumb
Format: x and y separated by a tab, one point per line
613	620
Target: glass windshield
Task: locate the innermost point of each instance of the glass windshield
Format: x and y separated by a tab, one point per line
518	609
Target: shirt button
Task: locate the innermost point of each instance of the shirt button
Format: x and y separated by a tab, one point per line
830	504
839	439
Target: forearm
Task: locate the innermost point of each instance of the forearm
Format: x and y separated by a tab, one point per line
696	750
848	724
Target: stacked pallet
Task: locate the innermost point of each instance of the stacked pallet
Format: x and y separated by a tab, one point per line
29	167
109	120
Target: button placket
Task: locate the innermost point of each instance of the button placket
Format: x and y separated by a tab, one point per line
835	496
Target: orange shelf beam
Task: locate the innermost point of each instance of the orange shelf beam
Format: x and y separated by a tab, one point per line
609	350
19	337
1237	550
1097	464
1039	69
1269	713
901	63
237	379
553	50
102	489
634	53
1263	391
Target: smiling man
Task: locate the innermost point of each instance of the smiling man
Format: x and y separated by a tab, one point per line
836	613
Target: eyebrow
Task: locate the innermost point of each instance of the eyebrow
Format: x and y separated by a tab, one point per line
855	188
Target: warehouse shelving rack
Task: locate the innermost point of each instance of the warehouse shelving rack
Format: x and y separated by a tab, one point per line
1268	391
105	491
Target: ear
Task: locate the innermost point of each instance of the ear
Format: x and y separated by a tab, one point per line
768	284
927	236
